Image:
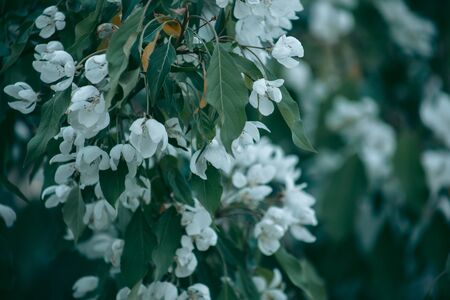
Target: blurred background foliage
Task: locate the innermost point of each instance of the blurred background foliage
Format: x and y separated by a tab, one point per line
379	237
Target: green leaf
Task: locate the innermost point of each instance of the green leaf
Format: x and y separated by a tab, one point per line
137	251
248	286
235	258
84	30
7	264
51	114
12	187
227	93
229	251
17	48
302	274
128	82
168	232
127	7
408	169
208	192
247	67
119	49
291	115
113	182
227	293
73	212
290	112
158	68
175	180
341	197
447	264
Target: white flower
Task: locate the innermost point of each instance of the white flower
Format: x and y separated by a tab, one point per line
253	185
161	291
44	49
114	253
300	233
147	136
285	49
249	136
329	22
99	214
84	285
263	21
267	154
377	147
129	154
272	228
205	239
437	168
96	68
186	262
185	258
58	194
197	291
66	170
268	234
299	203
263	93
88	113
195	219
272	291
57	66
8	215
125	292
136	190
50	21
214	153
97	246
70	138
89	161
26	97
435	115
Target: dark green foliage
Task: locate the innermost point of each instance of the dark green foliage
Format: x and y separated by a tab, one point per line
137	252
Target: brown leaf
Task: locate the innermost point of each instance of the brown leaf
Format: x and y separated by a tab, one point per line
148	50
171	26
117	19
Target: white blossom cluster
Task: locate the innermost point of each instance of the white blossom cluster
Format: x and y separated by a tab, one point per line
167	291
412	33
196	221
329	21
434	113
374	140
272	289
260	22
255	167
157	290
